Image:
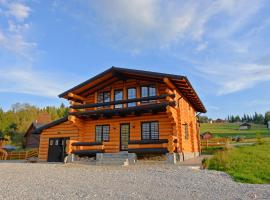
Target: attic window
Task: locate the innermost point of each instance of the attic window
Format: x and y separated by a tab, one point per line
148	91
103	97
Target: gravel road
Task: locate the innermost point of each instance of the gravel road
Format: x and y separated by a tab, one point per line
142	181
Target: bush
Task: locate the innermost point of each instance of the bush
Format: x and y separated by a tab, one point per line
259	139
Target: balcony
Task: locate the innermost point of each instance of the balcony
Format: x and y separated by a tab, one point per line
152	104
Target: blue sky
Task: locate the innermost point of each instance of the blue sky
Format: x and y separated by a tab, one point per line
46	47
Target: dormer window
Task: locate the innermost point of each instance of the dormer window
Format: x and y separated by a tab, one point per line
148	91
104	97
118	95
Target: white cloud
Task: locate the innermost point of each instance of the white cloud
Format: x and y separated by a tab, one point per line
155	23
26	80
235	77
258	102
202	46
13	35
19	11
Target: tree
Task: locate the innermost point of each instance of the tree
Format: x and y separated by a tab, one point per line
267	116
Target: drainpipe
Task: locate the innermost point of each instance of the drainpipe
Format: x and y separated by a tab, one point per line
199	135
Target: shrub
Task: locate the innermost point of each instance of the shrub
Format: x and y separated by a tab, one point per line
259	139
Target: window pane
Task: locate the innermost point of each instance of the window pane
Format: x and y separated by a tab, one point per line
106	132
145	131
118	95
154	130
131	95
186	132
100	97
152	91
107	97
98	133
144	92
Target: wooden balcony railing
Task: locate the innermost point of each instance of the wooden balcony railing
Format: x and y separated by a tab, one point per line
142	99
153	106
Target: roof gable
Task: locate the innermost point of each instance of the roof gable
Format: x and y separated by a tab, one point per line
115	73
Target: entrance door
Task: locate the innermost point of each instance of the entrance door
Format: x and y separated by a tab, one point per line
124	137
57	149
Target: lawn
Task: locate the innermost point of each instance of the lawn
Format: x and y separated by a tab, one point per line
248	164
231	130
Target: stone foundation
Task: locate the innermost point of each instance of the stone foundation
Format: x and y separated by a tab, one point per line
189	155
174	158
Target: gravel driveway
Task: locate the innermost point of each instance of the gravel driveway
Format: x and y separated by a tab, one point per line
142	181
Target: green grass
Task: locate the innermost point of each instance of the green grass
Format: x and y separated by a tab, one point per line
231	130
211	150
247	164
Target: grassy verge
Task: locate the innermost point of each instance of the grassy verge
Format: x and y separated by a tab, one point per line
247	164
232	130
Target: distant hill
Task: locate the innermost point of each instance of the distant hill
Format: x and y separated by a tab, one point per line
232	130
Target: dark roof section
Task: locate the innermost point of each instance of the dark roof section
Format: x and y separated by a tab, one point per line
49	125
118	69
198	105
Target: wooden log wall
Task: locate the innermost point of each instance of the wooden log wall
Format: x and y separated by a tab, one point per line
165	129
66	129
183	114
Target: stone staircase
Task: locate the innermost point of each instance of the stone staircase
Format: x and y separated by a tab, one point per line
121	158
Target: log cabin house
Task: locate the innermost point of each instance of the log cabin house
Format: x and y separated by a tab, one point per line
126	110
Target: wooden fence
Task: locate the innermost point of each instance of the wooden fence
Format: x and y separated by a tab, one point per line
214	142
20	155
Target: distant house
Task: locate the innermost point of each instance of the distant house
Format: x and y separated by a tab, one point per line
2	141
31	136
268	125
219	121
244	126
206	135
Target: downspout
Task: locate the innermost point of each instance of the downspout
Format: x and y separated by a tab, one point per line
199	135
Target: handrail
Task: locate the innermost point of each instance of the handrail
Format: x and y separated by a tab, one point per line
124	110
163	96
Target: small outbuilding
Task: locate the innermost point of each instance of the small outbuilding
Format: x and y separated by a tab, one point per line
206	135
2	141
244	126
31	136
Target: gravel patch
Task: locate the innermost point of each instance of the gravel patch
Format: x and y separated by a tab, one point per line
141	181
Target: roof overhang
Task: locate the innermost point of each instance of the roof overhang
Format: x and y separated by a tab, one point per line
115	73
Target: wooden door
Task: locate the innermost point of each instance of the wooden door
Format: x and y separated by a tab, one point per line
57	149
124	136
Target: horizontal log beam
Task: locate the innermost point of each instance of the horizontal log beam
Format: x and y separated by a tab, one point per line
86	143
121	111
87	152
160	141
163	96
75	96
148	150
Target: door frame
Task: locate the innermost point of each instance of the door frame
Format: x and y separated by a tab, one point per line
64	147
120	143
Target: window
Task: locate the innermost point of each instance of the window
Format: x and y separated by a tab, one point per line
104	97
131	94
102	133
118	95
186	131
150	130
148	91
